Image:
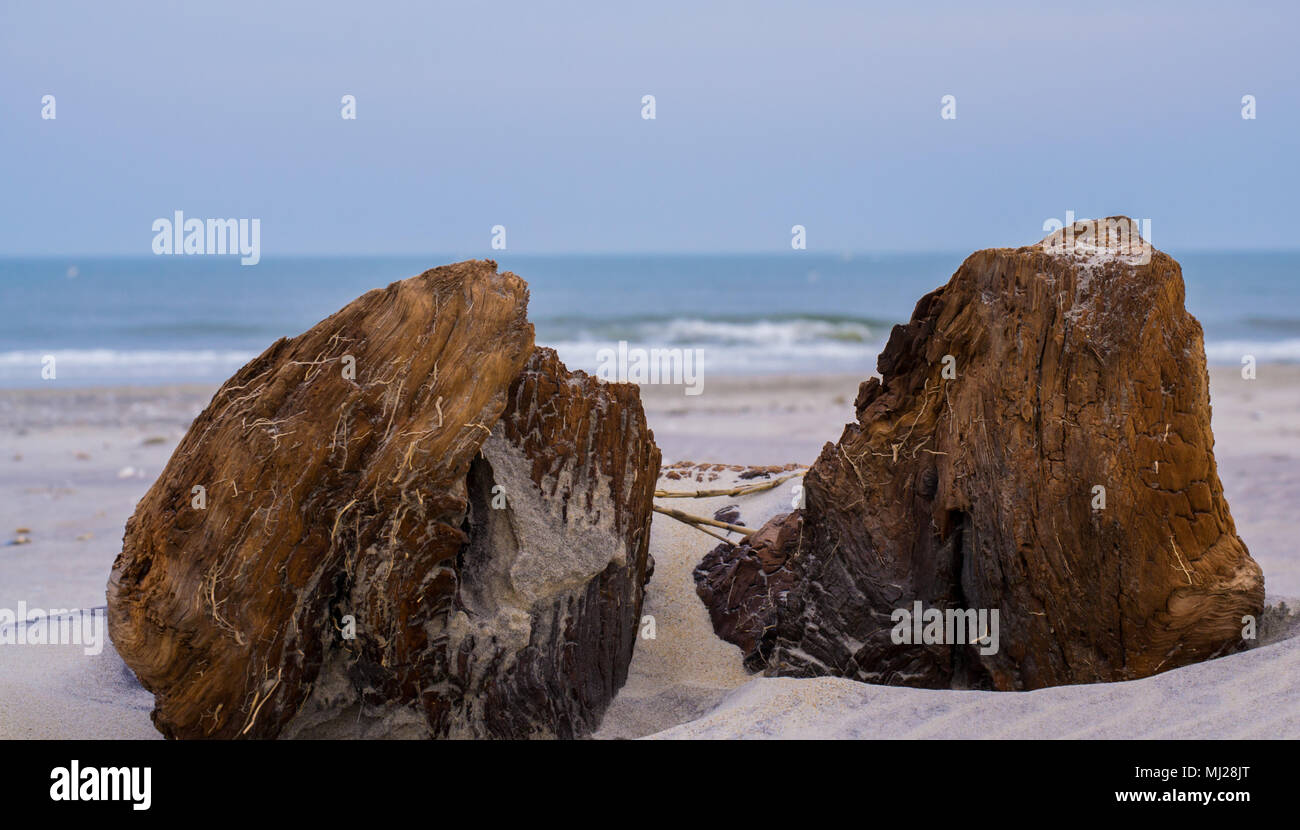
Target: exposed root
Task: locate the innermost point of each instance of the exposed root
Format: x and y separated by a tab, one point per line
257	706
335	531
898	446
1182	566
852	464
210	582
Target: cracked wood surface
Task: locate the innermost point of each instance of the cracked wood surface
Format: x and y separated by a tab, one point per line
333	495
1073	370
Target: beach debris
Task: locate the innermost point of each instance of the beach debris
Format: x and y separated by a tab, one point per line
85	537
19	540
22	530
702	522
728	517
742	490
415	524
729	513
126	472
1038	446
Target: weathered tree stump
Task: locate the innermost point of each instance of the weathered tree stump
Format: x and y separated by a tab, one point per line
404	522
1038	444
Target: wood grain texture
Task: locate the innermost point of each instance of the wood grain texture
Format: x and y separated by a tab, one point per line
1074	369
330	496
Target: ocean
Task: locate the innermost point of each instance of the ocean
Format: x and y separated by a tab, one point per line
191	319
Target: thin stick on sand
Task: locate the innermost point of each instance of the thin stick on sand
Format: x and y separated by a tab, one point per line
703	529
743	490
698	521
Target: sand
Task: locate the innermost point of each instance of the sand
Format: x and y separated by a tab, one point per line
60	692
73	463
1248	695
685	670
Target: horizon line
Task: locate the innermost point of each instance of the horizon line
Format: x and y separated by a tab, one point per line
462	255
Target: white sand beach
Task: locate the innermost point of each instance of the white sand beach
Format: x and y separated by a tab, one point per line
74	462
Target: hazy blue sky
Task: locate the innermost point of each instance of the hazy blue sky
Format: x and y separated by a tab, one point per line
529	115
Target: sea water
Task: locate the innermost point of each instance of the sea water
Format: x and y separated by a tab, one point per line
112	321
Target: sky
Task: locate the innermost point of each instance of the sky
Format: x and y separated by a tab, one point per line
529	116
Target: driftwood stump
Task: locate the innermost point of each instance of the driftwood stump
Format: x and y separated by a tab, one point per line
405	521
1038	443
